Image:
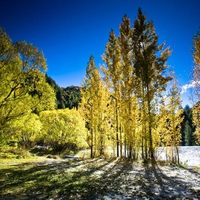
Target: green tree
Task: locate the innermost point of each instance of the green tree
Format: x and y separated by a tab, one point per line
72	96
26	130
63	129
43	96
188	134
58	91
187	129
68	97
22	82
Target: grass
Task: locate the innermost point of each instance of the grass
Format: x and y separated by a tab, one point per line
15	161
68	180
36	178
13	155
62	179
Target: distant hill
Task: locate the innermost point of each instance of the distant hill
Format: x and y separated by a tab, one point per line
68	97
71	96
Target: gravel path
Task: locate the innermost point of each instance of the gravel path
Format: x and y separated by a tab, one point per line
138	181
189	155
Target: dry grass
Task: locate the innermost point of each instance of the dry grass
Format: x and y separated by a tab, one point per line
94	179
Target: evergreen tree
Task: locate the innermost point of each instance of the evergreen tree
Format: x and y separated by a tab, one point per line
72	96
68	97
187	128
57	90
188	134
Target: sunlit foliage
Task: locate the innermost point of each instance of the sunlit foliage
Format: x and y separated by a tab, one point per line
93	109
196	79
22	81
63	129
174	120
135	73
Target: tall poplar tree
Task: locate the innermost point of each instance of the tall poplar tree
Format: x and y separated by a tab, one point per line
196	69
150	68
93	107
174	120
129	102
112	72
196	79
196	120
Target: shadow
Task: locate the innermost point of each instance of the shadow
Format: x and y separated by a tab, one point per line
43	180
169	183
94	179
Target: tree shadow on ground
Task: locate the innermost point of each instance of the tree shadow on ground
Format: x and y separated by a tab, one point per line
169	183
90	179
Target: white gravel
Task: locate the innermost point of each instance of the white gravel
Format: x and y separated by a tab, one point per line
189	155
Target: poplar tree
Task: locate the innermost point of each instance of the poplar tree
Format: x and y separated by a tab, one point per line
93	107
162	123
196	69
112	72
196	120
174	120
150	68
128	98
196	79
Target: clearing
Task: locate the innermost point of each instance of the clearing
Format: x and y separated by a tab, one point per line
97	179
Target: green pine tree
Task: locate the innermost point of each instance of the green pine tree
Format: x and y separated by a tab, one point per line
188	134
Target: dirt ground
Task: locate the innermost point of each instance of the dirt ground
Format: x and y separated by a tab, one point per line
98	179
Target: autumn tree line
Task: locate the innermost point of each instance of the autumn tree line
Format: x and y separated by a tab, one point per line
126	105
123	109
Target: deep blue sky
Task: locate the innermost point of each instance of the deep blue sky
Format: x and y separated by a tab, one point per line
69	31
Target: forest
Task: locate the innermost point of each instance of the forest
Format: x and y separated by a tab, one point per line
127	108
